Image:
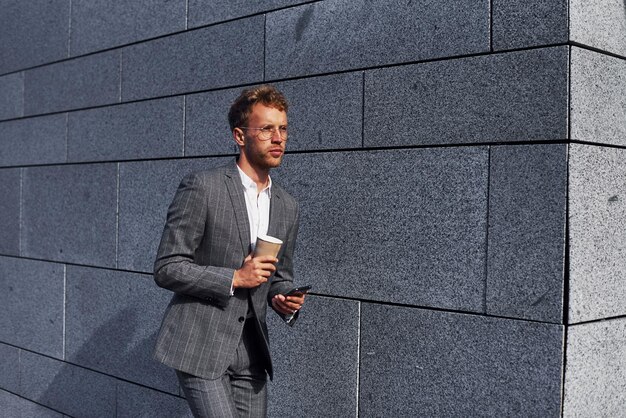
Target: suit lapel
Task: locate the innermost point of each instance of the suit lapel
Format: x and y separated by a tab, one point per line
235	190
276	212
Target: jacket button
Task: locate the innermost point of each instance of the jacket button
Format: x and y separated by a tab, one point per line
241	319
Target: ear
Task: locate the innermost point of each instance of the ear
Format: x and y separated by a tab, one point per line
238	137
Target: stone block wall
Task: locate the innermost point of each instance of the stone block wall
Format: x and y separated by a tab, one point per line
460	168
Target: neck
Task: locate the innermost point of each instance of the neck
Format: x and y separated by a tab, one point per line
260	176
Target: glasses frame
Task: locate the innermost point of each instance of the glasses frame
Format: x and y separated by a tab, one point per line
275	129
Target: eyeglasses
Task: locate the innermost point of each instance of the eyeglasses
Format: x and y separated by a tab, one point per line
266	133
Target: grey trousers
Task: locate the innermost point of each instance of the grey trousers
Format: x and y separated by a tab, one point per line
240	392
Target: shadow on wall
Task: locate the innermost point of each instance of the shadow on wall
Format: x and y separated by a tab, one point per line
120	347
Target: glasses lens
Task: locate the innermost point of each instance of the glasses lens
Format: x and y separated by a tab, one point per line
267	133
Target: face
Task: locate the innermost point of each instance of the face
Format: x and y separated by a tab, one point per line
260	154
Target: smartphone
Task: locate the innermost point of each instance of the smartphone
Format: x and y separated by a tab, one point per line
297	290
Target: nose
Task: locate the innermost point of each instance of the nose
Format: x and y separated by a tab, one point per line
276	135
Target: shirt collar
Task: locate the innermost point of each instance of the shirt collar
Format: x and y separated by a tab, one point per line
248	183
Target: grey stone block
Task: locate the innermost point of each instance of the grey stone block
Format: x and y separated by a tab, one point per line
203	12
31	305
597	226
38	140
519	96
600	25
598	97
146	191
217	56
404	226
140	402
151	129
69	213
524	23
206	123
595	375
67	388
10	211
13	406
33	33
316	361
425	363
115	332
527	211
82	82
98	25
11	96
325	112
9	368
339	35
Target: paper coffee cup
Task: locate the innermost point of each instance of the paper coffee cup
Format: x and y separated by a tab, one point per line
266	245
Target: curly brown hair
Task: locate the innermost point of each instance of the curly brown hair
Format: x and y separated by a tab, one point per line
266	94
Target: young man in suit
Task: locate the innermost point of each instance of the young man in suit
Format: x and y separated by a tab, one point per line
214	331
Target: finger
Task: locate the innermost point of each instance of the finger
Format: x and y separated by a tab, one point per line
292	306
266	268
297	298
280	308
263	273
269	267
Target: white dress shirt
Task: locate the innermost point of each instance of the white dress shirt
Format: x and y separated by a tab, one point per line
257	205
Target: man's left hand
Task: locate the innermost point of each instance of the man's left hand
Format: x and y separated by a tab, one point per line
288	305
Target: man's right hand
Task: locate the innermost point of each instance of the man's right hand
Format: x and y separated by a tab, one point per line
255	271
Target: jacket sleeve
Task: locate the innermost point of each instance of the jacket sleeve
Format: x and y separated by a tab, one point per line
175	267
282	282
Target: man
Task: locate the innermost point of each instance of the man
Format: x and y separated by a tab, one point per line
214	332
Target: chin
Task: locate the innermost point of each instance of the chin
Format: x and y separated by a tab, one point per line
274	162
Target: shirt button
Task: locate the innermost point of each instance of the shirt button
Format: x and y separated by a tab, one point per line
241	319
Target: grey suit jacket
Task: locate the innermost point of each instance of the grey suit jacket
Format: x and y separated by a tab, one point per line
206	237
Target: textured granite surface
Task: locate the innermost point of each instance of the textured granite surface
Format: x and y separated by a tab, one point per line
598	98
202	12
38	140
146	191
524	23
31	305
216	56
600	25
336	35
10	211
325	112
98	25
13	406
150	129
597	226
33	32
527	211
9	367
510	97
69	213
595	375
404	226
70	389
137	401
315	362
206	123
82	82
115	332
11	96
425	363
